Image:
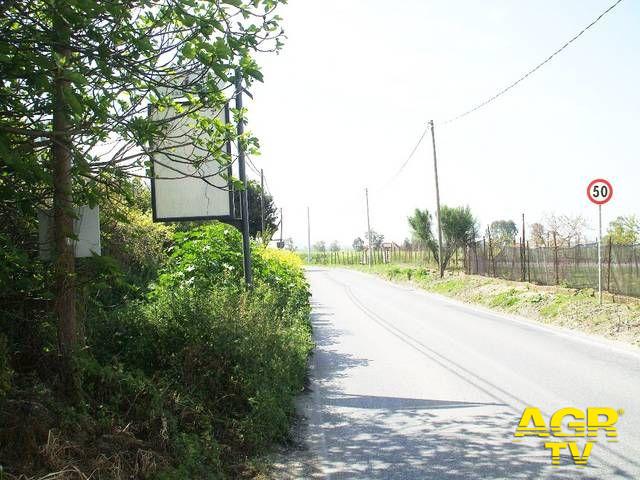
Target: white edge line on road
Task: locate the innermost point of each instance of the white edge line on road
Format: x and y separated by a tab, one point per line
613	345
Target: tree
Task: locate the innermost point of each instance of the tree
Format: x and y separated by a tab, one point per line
565	230
376	239
406	244
624	230
358	244
538	235
78	82
334	247
421	225
320	246
503	232
458	229
290	245
271	221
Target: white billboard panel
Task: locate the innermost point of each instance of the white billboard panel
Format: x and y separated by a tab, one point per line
86	227
187	182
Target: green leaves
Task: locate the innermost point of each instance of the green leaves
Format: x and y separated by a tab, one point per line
189	50
117	58
77	78
74	101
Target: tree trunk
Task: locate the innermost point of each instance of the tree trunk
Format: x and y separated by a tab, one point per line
64	261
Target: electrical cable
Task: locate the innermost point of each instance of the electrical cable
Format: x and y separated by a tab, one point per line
533	70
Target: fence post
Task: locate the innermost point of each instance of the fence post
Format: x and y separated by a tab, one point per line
528	256
491	264
484	256
555	258
513	260
475	254
609	267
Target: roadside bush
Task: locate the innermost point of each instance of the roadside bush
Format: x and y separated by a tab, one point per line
240	356
184	378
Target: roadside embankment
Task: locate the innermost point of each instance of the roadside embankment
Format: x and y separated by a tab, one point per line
618	318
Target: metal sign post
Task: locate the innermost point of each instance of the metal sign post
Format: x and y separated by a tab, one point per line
244	197
600	192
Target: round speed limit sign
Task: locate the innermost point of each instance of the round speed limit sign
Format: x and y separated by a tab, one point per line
600	191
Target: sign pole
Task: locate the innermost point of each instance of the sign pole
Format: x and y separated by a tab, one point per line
600	252
244	197
600	192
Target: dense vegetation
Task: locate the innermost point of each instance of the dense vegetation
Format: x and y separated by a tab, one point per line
185	373
152	360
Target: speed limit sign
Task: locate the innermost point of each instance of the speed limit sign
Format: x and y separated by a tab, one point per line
600	191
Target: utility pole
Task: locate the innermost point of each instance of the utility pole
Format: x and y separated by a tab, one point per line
262	203
435	169
308	236
244	197
366	193
281	227
523	252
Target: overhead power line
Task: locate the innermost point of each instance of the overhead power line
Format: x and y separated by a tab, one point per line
413	152
534	69
504	90
252	165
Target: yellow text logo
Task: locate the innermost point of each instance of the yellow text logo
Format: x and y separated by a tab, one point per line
568	423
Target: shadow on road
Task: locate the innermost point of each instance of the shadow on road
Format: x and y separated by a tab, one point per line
379	437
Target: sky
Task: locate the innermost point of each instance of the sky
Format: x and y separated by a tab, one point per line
346	100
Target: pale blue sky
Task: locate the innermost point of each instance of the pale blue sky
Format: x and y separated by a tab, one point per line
346	100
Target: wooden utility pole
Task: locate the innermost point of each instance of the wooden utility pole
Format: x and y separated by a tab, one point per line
435	169
244	197
63	214
366	194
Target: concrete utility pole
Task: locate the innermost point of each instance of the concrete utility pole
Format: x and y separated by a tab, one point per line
281	227
308	236
244	197
369	257
262	203
435	168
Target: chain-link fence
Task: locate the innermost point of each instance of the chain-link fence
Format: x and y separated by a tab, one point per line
575	266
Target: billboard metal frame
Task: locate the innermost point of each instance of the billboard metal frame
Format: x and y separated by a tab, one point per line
232	218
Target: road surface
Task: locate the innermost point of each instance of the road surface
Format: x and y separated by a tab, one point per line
409	385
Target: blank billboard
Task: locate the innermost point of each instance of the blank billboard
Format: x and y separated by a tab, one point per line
187	182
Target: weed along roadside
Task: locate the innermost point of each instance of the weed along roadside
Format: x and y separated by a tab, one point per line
192	379
579	309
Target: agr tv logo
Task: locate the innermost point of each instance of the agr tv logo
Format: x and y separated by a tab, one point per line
568	423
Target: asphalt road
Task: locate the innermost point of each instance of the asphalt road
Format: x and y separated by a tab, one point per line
409	385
